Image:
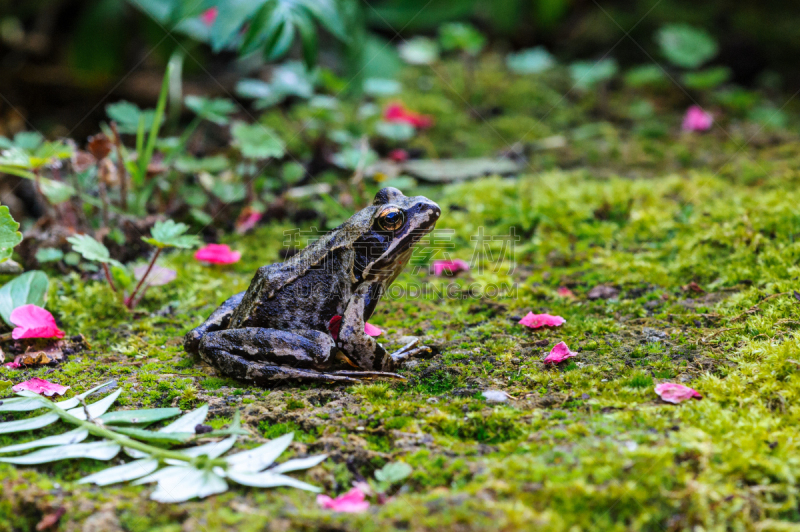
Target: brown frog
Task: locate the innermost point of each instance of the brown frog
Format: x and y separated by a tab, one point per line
280	328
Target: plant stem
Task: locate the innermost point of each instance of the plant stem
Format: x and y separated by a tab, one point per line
108	277
121	170
130	299
5	337
125	441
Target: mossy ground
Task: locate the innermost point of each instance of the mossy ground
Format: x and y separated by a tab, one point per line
583	446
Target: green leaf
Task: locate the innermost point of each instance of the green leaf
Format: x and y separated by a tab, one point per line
122	473
646	76
231	17
26	402
462	37
212	450
31	423
168	234
686	46
28	288
73	436
181	483
214	110
328	13
9	234
298	464
419	51
157	437
44	255
382	87
102	450
587	74
188	421
393	472
28	140
261	457
531	61
707	79
55	191
268	479
90	249
139	417
397	131
192	165
97	408
256	141
128	115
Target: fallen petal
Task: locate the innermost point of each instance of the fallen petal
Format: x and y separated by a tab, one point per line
371	330
566	292
350	502
34	322
336	322
676	393
449	267
559	354
217	254
534	321
40	386
696	119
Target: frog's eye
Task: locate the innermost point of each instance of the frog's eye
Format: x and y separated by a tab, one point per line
391	219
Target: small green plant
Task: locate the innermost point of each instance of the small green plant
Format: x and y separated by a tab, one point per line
28	288
689	48
181	474
164	234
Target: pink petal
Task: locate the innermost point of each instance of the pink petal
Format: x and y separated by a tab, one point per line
40	386
566	292
247	220
396	112
449	267
398	155
534	321
350	502
13	365
696	119
159	275
209	16
371	330
676	393
33	322
336	322
217	254
559	354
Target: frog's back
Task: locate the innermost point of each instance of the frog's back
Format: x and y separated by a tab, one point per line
301	293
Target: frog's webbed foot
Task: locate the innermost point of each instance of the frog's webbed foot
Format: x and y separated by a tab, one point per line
409	350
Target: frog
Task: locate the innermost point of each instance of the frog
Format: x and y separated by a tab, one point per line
304	318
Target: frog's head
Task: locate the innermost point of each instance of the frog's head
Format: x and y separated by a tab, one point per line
396	224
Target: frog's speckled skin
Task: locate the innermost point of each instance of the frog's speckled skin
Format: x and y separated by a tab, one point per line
277	329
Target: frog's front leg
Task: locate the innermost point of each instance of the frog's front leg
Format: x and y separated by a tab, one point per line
219	319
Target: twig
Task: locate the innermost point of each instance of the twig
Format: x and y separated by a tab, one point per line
756	307
121	170
130	299
5	337
108	276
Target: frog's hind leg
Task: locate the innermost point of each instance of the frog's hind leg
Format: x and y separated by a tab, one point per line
218	320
